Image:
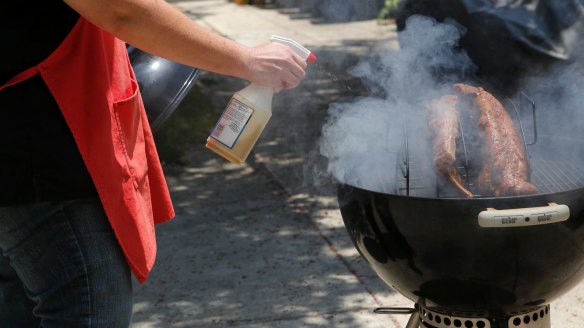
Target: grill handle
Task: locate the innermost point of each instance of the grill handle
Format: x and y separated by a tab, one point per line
521	217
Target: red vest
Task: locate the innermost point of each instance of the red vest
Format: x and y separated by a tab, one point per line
92	81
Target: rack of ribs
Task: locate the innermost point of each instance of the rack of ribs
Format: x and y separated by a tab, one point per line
504	171
443	126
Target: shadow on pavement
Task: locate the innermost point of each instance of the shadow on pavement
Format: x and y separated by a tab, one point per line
263	245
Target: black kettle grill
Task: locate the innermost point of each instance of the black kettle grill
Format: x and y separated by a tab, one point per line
163	84
481	262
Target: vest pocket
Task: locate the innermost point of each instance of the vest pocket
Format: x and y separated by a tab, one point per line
128	114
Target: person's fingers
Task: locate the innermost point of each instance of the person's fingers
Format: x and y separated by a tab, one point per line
278	66
290	79
297	70
301	62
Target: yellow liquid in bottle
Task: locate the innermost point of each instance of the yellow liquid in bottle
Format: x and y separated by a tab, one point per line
236	132
246	140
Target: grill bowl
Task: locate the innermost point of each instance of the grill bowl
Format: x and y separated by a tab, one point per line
432	250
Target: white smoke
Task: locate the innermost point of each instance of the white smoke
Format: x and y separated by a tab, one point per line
364	139
559	98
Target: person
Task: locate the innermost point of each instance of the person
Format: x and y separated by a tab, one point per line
81	183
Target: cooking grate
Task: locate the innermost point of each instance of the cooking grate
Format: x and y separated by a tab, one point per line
555	176
547	175
414	179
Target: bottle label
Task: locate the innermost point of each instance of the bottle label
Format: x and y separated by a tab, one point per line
232	122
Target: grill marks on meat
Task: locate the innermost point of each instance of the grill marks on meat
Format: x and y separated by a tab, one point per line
504	171
443	126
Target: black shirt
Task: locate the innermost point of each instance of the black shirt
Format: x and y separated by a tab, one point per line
39	160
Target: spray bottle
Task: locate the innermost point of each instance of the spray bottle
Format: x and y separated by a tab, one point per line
247	114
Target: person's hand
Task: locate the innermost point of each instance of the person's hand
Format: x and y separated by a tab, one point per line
275	65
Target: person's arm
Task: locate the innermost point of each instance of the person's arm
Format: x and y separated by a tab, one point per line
158	28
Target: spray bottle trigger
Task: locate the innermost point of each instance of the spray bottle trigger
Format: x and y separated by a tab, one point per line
299	49
311	58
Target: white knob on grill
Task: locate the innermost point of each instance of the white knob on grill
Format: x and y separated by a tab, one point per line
520	217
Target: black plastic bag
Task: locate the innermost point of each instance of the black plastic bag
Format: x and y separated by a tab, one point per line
546	26
507	38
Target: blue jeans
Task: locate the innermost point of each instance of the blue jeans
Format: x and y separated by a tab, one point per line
62	266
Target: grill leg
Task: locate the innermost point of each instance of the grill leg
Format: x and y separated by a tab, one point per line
414	321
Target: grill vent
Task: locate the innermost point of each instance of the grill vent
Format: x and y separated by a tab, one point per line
538	318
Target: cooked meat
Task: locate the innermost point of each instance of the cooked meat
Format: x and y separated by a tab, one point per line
443	126
504	171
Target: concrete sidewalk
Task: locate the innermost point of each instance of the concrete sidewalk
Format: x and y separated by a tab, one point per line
263	244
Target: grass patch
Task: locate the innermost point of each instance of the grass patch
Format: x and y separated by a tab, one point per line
189	125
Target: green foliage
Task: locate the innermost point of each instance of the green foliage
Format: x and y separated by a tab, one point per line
188	126
389	9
